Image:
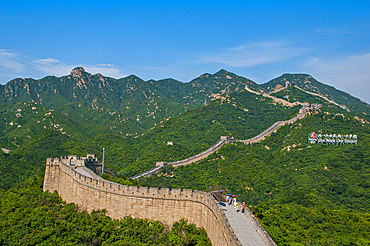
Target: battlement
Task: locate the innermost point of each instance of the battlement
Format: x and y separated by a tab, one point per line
91	192
148	192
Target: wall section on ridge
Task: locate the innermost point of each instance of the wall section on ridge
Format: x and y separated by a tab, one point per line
164	204
199	157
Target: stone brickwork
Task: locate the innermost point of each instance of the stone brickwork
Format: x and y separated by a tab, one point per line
163	204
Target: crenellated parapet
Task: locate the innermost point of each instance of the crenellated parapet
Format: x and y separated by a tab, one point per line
89	191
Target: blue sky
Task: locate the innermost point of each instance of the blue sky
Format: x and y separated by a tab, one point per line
259	40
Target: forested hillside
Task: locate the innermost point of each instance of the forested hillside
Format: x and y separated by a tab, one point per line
286	168
241	115
297	190
97	105
307	82
87	105
285	172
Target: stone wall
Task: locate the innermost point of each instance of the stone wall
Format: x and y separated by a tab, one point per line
163	204
199	157
184	162
274	127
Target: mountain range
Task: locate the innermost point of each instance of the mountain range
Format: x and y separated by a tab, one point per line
84	105
300	192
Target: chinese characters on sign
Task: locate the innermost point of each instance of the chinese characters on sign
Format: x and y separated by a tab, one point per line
336	139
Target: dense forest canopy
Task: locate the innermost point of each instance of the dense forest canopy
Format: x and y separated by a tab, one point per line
301	193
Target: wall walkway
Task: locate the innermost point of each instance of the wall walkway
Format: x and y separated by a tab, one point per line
244	229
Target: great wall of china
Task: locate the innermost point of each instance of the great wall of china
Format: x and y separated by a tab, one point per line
75	181
225	140
78	185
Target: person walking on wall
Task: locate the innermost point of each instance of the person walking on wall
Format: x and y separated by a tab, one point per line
237	207
243	209
227	199
234	201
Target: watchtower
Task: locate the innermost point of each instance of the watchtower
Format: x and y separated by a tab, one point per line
227	139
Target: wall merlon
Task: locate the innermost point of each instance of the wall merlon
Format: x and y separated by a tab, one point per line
116	187
176	192
125	188
143	191
153	191
132	190
187	193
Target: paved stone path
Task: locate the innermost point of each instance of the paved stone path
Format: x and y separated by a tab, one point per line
83	172
242	227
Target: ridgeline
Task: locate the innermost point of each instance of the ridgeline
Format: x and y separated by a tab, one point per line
297	190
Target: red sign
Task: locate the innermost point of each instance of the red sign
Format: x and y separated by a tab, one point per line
312	134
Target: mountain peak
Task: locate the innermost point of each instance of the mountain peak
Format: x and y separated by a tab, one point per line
222	72
76	72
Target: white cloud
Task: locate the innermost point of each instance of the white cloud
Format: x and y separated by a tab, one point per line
109	70
51	66
333	31
105	65
46	61
254	54
350	74
10	61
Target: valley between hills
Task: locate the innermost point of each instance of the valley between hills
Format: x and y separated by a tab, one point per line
301	193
